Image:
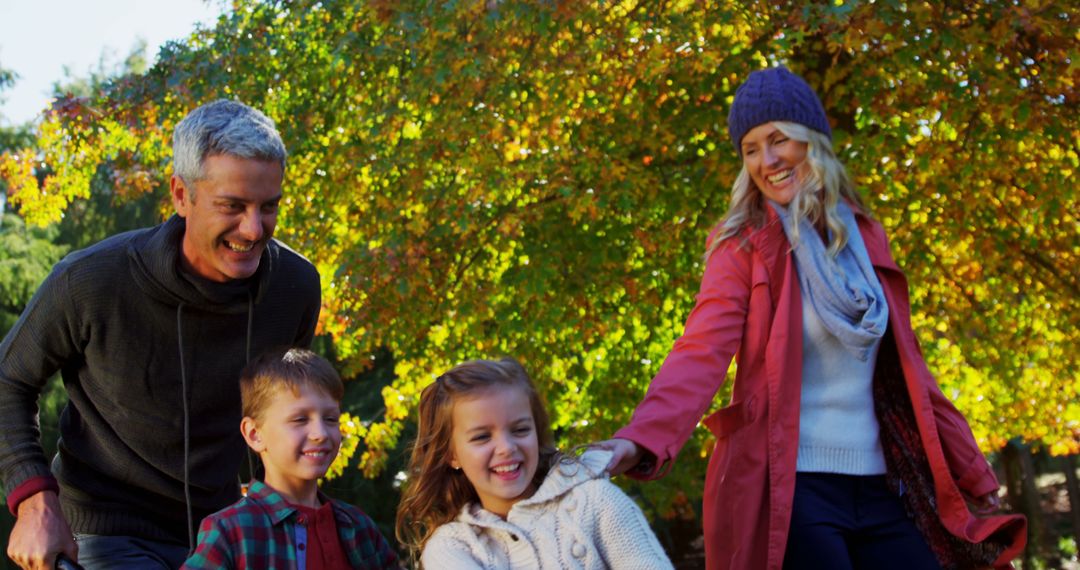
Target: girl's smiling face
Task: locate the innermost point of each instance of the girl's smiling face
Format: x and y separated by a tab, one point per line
776	163
494	442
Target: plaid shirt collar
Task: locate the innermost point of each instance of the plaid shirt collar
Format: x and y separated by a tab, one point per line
281	510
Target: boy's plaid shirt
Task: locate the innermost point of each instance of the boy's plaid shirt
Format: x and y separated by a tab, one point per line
262	531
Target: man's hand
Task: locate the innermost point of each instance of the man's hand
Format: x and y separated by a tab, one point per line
40	533
627	454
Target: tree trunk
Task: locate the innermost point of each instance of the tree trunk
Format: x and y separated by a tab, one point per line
1073	486
1024	498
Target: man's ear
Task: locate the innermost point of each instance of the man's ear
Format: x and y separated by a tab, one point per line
181	195
250	430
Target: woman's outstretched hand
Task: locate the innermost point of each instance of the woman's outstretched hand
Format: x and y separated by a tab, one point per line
627	454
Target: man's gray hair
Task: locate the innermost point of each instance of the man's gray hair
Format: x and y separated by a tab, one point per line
223	127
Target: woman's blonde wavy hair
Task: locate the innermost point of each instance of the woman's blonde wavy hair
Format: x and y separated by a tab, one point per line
817	196
434	492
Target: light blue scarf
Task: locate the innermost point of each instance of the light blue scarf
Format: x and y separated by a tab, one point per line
844	292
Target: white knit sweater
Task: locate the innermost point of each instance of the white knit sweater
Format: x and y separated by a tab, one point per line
838	430
576	519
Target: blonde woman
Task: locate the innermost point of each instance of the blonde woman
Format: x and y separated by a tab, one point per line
838	449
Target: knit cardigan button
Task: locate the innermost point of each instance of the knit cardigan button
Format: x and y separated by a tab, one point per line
578	550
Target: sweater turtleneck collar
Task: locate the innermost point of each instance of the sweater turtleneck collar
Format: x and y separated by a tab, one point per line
157	269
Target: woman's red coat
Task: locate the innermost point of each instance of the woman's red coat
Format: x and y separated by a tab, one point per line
749	307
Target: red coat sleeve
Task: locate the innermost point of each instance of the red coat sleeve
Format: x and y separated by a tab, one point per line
968	465
694	370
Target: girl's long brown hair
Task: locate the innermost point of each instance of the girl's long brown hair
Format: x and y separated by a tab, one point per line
434	492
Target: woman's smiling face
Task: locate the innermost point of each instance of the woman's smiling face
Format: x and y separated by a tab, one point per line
776	163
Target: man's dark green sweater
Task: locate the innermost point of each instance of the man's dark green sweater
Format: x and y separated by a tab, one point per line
146	352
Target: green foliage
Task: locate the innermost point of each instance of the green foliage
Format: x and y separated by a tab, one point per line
7	79
74	84
378	496
16	137
26	257
11	138
1067	546
538	179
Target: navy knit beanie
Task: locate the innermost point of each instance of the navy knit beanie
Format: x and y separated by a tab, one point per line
774	94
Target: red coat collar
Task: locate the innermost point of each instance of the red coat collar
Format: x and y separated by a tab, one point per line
771	242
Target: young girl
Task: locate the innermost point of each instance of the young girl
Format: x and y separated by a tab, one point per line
487	488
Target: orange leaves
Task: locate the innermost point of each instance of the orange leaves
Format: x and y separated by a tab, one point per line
17	170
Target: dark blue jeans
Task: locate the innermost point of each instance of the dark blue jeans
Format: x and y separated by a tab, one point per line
852	522
126	552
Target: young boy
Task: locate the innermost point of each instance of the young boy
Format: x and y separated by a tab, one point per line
291	405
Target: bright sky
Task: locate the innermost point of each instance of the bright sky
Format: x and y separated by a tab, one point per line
39	37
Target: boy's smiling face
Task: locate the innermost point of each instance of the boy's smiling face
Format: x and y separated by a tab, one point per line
298	437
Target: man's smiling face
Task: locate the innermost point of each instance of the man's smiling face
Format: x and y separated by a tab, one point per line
230	216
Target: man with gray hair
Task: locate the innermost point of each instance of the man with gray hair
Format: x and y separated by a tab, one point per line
149	330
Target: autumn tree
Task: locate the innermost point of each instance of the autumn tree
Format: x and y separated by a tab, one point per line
538	178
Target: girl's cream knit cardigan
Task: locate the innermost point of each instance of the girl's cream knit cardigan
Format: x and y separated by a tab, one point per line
576	519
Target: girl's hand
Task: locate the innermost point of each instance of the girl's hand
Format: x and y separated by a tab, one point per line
627	454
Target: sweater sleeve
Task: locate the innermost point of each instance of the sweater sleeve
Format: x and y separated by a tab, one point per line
43	339
623	535
697	364
449	553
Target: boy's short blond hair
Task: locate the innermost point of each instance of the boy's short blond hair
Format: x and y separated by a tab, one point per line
292	369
